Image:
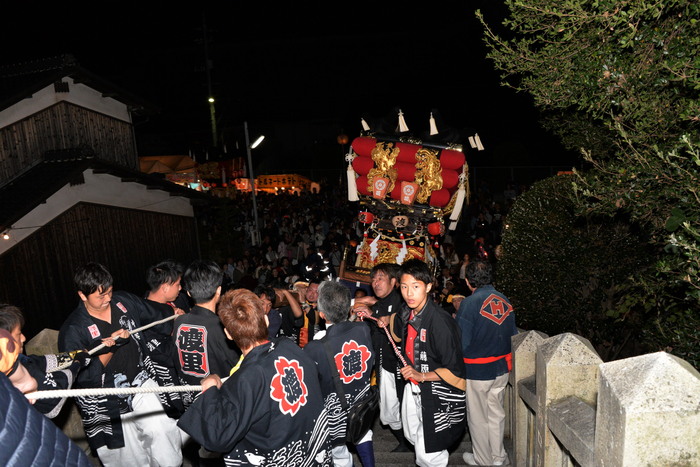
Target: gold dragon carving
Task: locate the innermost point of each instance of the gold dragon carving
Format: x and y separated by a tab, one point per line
428	173
384	156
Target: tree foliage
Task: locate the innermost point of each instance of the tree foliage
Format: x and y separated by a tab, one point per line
565	273
630	66
619	80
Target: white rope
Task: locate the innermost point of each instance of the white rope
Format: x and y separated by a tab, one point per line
102	346
61	393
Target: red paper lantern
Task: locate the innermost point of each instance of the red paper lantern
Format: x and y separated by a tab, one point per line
436	228
405	171
450	159
363	145
366	217
407	152
439	198
362	185
450	178
362	165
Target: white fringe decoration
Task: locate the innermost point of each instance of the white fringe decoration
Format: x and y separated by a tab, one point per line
478	142
433	126
365	126
373	252
402	253
352	179
461	194
359	245
402	123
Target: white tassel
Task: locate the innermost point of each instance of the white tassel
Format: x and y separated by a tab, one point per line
472	142
402	123
352	184
478	142
458	204
453	225
352	179
461	194
433	126
364	124
373	252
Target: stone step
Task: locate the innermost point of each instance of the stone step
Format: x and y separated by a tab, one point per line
384	441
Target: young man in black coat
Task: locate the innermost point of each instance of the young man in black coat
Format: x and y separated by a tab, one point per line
350	346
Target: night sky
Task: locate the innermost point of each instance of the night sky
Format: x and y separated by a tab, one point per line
299	72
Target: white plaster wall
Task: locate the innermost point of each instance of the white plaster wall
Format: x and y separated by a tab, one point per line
79	94
99	189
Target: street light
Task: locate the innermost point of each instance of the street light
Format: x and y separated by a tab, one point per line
257	142
248	147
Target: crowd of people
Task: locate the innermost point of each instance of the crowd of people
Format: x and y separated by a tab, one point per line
306	236
281	349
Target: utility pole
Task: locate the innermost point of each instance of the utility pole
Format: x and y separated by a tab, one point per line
256	233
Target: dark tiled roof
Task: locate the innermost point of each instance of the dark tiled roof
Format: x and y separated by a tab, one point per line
37	184
22	80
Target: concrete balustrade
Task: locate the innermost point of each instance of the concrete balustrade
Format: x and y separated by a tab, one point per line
648	413
567	366
525	346
570	409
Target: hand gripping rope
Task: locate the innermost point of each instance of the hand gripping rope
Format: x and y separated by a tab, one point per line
362	315
102	346
61	393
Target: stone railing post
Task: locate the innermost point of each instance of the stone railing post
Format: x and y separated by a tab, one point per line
648	413
567	365
525	346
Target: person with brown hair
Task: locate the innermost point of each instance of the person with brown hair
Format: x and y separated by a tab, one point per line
271	407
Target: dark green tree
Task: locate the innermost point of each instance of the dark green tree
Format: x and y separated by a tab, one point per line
619	80
564	272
